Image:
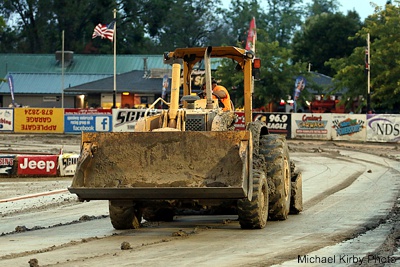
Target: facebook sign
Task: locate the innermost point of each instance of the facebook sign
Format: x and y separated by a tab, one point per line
102	124
87	120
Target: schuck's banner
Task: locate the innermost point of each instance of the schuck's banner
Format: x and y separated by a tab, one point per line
67	164
124	120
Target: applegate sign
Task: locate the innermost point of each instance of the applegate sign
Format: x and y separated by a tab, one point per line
45	165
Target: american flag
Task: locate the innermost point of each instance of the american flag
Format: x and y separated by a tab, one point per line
104	31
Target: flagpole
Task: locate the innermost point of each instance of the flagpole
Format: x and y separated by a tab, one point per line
369	75
62	71
115	60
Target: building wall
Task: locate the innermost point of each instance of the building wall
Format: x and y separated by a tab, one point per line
43	101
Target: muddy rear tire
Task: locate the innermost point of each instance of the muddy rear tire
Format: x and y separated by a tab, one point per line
124	216
276	152
296	202
254	214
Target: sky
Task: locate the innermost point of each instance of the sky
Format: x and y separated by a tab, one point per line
363	7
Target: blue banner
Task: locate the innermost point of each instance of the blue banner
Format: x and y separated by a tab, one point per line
11	85
299	86
87	120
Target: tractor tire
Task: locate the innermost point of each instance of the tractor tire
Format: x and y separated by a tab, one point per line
159	210
124	216
158	214
276	153
296	203
254	214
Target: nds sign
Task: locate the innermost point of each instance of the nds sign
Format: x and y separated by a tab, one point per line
45	165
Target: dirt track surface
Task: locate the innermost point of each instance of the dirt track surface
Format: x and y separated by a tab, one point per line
351	214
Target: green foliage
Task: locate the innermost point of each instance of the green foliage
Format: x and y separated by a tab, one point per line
191	24
283	18
277	75
318	7
323	37
239	15
155	26
2	24
384	62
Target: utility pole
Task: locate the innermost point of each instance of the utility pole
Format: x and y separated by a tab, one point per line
115	60
62	70
368	66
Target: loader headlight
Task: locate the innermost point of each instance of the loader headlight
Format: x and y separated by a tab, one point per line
250	54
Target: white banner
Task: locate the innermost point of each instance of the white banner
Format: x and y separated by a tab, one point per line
351	127
312	126
67	163
6	119
124	120
383	128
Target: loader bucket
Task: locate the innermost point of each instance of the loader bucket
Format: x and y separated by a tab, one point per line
164	165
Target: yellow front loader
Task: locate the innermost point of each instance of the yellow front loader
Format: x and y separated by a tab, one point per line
189	158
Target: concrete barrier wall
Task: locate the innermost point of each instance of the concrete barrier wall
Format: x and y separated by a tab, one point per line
324	126
318	126
16	165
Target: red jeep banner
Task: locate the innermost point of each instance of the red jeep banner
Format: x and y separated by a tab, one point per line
45	165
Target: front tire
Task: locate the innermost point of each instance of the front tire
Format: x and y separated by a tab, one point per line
124	215
276	153
254	214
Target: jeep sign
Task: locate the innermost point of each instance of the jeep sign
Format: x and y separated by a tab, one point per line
45	165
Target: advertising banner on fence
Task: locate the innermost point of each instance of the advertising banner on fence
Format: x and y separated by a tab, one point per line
38	120
383	128
38	165
67	163
240	123
351	127
6	119
87	120
277	123
311	126
6	164
124	120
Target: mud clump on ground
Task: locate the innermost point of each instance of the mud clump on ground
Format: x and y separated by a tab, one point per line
125	246
33	263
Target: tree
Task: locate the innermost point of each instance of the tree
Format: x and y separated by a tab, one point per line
41	22
238	17
277	75
384	65
140	23
78	29
318	7
188	24
282	19
326	36
2	24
